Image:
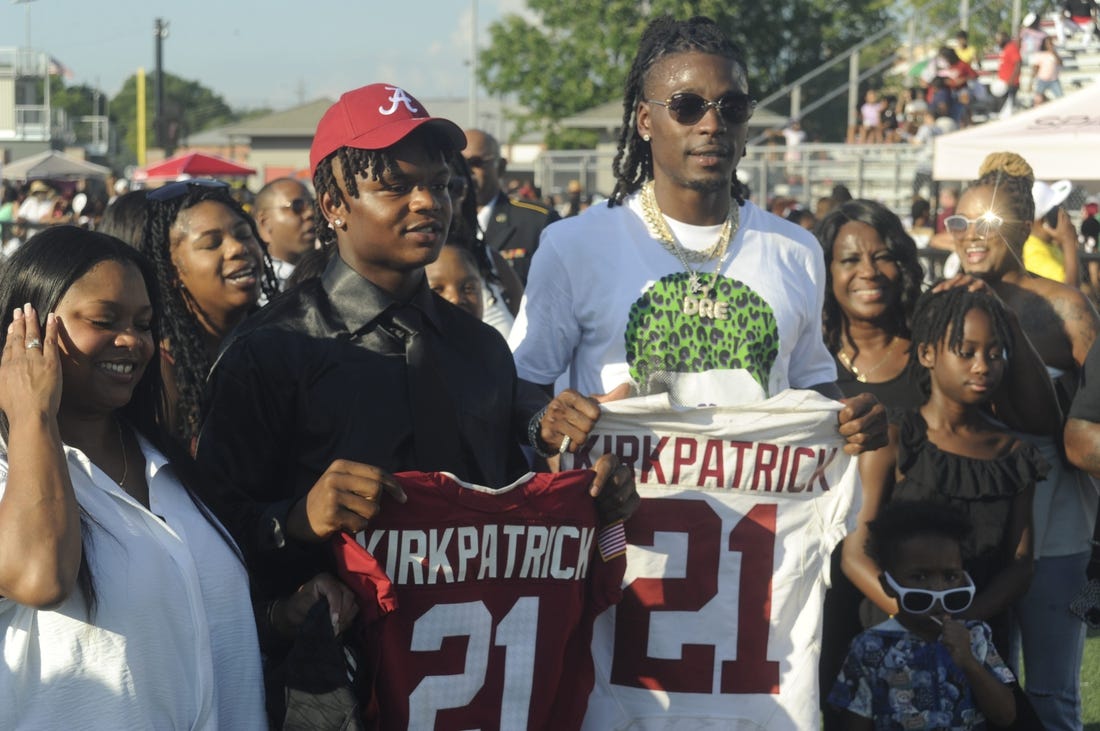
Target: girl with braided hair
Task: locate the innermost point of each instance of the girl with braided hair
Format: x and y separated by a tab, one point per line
992	222
211	270
952	450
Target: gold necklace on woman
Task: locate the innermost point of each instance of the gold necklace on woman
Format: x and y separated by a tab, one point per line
125	461
862	376
658	228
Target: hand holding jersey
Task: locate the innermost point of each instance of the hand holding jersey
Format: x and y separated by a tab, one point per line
345	497
566	424
862	422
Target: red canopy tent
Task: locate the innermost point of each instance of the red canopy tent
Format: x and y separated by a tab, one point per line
195	165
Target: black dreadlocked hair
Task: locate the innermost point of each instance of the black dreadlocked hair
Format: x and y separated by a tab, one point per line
901	247
899	521
664	36
373	164
938	321
181	326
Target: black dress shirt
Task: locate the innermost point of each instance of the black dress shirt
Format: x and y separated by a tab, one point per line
319	375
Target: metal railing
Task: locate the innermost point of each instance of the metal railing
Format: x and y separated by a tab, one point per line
890	174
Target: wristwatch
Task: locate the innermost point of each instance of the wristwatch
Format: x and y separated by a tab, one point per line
534	436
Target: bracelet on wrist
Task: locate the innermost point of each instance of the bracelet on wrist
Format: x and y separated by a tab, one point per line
534	436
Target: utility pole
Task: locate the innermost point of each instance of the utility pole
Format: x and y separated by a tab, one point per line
160	32
473	64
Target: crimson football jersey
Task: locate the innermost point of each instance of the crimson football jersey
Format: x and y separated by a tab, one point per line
479	602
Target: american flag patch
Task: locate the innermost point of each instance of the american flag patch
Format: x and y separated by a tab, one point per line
611	540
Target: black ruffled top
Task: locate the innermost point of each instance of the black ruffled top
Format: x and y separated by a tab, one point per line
982	489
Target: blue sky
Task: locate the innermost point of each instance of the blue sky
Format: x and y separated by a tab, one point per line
263	54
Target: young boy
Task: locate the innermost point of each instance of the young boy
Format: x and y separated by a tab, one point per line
923	668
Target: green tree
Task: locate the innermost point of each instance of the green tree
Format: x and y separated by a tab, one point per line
189	108
578	54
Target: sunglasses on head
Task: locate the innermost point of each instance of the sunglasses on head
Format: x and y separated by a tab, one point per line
479	161
688	108
985	224
921	601
181	188
299	205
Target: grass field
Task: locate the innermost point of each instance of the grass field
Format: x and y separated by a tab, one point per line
1090	681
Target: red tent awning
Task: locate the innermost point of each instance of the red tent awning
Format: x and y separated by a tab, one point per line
195	164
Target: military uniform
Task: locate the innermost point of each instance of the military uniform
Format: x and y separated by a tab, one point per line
514	230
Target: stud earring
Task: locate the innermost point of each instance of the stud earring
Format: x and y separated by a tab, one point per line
337	222
645	138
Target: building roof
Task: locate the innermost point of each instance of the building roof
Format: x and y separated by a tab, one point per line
299	121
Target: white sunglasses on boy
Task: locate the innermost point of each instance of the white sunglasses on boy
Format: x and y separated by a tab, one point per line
921	601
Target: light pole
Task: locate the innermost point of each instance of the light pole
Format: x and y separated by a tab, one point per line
26	19
473	63
160	32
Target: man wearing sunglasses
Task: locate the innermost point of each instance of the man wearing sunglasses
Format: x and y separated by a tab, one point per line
677	245
284	217
680	286
508	225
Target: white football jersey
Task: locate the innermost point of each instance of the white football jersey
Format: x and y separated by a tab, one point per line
727	558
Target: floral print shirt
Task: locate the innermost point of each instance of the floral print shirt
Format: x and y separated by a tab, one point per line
903	682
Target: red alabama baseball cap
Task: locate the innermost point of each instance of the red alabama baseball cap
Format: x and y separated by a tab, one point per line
374	117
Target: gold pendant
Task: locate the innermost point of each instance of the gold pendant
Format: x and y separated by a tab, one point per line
704	307
695	283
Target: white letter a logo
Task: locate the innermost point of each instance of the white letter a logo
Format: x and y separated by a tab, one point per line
398	97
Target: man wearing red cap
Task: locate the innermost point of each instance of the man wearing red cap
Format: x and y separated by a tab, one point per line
363	371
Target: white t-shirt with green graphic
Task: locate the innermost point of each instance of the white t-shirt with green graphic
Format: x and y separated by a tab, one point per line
608	303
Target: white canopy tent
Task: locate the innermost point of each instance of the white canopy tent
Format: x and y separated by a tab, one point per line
1060	139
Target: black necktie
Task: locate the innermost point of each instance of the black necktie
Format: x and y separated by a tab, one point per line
434	416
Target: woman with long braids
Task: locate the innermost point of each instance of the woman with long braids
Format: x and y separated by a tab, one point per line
211	270
991	223
123	603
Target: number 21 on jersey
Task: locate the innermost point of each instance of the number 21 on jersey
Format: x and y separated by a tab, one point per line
514	632
753	537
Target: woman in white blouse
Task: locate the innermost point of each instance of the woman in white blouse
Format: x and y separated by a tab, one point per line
123	602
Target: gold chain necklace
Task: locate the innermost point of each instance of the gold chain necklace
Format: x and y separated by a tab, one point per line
658	228
125	462
861	376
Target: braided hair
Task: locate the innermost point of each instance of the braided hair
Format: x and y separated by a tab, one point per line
180	325
664	36
901	247
938	322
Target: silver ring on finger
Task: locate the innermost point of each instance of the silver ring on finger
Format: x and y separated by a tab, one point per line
35	343
565	442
